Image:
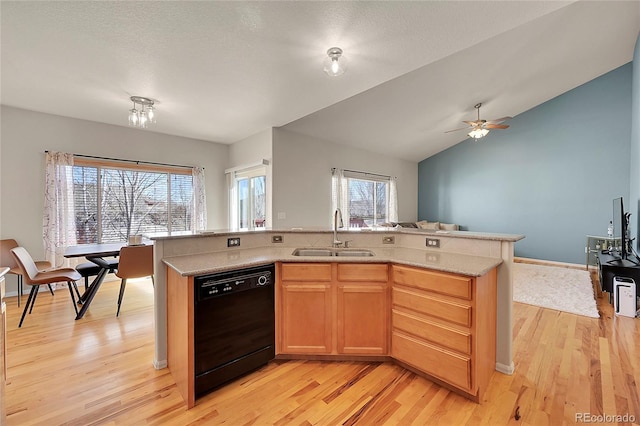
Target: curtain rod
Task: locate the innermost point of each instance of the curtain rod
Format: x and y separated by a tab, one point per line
364	173
130	161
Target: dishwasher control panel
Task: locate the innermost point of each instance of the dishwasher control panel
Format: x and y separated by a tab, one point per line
222	283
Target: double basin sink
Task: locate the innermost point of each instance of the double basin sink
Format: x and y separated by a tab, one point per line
332	252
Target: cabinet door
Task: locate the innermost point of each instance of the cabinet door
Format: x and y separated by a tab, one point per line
306	318
362	318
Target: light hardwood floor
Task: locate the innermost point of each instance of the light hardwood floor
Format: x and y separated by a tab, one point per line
99	371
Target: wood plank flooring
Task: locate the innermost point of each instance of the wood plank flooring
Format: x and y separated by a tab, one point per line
98	371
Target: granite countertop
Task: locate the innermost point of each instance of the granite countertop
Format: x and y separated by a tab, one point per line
206	263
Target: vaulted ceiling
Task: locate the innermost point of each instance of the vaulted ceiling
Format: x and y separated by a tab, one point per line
222	71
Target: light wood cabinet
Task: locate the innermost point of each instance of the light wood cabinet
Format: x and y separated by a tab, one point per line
332	309
362	309
3	348
444	325
306	312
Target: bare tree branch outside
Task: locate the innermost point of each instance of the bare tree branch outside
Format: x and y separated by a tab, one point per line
131	203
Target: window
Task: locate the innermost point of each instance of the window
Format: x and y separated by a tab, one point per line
365	199
367	202
114	201
248	198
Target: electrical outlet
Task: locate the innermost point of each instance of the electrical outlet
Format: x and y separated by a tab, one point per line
233	242
388	240
433	242
276	239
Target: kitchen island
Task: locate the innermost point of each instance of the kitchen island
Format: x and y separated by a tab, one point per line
471	256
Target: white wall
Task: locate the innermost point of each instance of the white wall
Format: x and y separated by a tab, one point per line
302	178
27	134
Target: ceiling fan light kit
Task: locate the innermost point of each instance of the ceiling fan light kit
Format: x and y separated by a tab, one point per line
480	128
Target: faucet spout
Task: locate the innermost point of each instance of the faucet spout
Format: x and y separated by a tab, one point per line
337	215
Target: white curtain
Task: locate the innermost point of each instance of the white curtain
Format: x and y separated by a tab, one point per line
393	200
59	227
199	213
339	195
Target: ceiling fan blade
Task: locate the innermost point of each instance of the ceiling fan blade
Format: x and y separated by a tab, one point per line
496	126
455	130
473	123
499	120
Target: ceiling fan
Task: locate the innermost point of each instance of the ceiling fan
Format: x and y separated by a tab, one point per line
480	128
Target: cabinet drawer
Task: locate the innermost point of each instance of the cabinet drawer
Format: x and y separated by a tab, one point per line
363	272
451	285
305	272
457	313
444	336
452	368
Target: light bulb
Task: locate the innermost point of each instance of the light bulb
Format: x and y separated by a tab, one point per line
133	117
151	114
335	66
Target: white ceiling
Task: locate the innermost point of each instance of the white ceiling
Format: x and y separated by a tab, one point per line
222	71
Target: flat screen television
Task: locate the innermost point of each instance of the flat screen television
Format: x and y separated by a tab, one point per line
620	225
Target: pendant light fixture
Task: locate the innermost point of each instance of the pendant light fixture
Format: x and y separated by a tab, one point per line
143	116
335	64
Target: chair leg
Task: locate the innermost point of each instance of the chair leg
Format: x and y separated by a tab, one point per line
34	290
75	287
19	289
122	286
35	294
73	299
51	289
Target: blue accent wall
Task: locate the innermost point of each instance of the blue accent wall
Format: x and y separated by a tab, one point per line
634	176
551	176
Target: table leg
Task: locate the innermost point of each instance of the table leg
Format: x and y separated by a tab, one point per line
88	295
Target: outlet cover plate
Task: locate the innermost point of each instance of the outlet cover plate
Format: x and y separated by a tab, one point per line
233	242
433	242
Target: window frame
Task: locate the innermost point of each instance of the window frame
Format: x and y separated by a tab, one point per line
100	164
375	179
249	173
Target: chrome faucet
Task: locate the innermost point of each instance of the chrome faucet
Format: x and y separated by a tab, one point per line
337	215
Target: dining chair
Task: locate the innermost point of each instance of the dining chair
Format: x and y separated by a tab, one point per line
135	262
35	278
7	259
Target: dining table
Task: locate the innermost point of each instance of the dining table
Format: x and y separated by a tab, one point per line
95	253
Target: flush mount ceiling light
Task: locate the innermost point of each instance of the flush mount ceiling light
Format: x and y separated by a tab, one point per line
335	64
143	116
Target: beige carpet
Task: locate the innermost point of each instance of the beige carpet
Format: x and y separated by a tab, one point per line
562	289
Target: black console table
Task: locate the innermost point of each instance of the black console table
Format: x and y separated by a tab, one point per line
611	266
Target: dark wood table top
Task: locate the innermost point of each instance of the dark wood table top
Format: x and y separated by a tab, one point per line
94	250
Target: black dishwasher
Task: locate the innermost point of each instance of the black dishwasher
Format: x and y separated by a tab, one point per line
234	324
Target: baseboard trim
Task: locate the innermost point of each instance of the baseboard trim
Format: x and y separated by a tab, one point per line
548	263
505	369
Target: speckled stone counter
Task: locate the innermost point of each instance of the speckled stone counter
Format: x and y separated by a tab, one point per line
205	263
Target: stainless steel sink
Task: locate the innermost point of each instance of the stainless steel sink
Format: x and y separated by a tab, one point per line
354	252
332	252
312	252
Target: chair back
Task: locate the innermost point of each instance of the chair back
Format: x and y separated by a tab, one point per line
135	262
6	258
26	263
